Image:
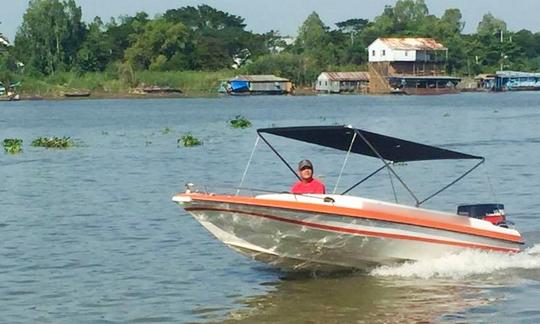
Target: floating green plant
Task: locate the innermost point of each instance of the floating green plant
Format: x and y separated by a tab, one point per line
166	131
53	142
13	145
188	140
240	122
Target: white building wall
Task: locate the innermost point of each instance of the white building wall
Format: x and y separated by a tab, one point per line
380	52
322	82
404	55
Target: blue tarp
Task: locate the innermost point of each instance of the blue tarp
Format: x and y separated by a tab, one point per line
239	85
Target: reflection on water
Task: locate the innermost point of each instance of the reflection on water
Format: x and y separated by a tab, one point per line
450	289
359	298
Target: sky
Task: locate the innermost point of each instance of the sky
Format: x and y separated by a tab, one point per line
286	16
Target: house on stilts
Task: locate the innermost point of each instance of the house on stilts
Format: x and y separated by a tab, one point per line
409	65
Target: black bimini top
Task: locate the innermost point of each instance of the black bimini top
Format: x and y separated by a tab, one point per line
389	148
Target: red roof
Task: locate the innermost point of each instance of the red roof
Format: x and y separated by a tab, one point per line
413	43
348	76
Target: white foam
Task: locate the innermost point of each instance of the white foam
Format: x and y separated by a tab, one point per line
467	263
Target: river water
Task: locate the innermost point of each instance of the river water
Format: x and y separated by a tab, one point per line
90	235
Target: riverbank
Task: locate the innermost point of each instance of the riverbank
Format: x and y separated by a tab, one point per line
134	85
124	85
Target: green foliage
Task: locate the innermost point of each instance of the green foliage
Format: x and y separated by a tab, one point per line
50	35
53	142
190	82
94	52
216	39
292	66
157	44
240	122
53	42
12	145
188	140
166	130
489	25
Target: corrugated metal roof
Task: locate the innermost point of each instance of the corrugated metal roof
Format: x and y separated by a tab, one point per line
484	76
260	78
517	74
348	76
413	43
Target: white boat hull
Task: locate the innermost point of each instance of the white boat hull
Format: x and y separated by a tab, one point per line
309	240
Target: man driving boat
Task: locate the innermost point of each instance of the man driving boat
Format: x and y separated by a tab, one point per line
307	184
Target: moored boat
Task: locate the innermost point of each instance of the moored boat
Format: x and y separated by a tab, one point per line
339	231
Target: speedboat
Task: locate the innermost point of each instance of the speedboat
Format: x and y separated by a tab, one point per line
330	232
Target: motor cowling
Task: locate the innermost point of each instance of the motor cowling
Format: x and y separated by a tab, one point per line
493	213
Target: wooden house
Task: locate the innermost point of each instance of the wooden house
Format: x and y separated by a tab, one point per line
411	65
338	82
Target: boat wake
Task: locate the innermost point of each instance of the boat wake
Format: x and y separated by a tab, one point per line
465	264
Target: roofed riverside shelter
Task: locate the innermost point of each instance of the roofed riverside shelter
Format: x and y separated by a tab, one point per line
258	84
516	81
409	65
338	82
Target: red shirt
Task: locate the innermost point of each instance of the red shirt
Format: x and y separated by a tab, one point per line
312	187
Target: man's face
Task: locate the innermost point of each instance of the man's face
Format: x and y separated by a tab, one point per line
306	173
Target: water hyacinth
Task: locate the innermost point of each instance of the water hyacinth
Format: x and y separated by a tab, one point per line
53	142
166	130
188	140
240	122
12	145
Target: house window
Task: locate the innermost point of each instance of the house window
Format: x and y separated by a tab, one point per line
383	52
325	83
320	82
406	53
373	53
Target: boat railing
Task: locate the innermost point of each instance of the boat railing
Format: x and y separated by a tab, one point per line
236	191
228	190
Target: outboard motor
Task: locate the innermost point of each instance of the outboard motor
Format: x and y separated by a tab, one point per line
493	213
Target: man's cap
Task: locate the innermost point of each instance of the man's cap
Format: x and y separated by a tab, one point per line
305	164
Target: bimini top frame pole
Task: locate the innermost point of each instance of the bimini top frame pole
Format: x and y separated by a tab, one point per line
279	155
388	149
387	165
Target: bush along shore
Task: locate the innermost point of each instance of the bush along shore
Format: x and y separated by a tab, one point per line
143	84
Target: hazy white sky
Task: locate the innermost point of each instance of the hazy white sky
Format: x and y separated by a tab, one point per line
287	15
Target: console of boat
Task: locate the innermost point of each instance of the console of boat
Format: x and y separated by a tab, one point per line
327	232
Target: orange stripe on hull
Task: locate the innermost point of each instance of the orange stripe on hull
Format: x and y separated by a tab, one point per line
419	218
361	232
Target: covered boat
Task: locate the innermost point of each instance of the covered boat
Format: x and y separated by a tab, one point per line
339	231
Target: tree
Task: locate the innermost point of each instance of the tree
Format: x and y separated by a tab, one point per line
216	39
49	35
490	25
409	15
94	54
450	22
203	18
312	35
159	42
122	35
